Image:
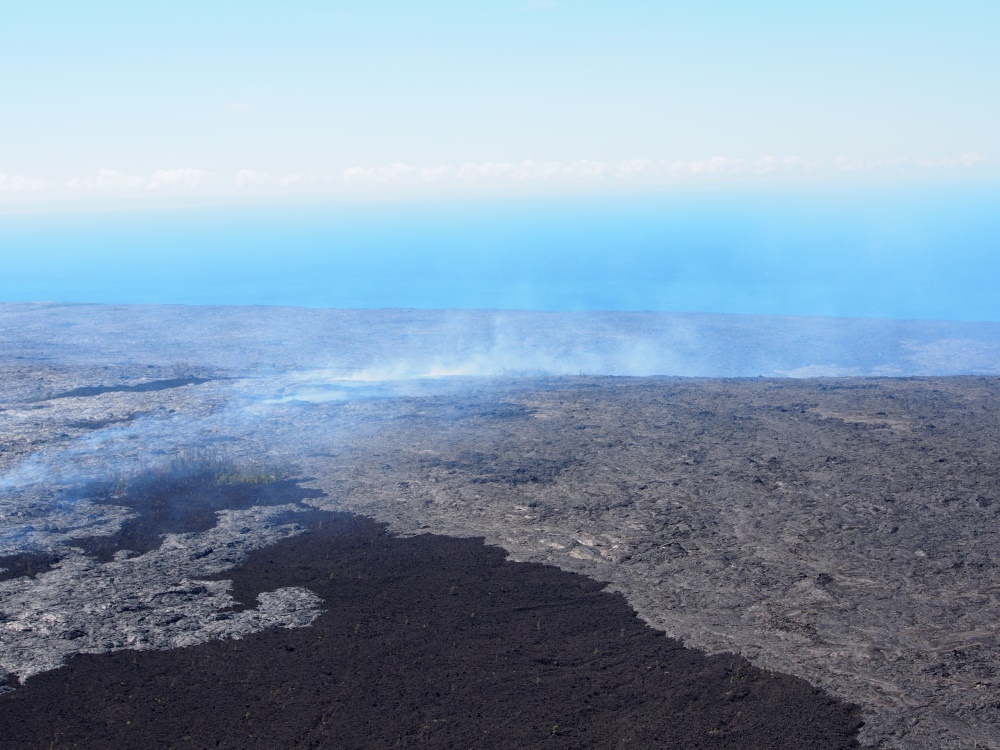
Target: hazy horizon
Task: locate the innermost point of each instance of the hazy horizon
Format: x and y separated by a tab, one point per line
512	154
926	253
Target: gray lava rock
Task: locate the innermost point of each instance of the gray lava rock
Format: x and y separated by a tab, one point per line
154	600
843	530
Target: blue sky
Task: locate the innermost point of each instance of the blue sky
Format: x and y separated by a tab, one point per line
769	157
113	102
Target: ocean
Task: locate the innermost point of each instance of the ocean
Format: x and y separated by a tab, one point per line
887	252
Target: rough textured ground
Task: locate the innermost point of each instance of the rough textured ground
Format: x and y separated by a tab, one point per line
395	343
425	642
842	530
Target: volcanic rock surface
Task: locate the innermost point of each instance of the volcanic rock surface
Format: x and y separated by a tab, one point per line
842	530
426	642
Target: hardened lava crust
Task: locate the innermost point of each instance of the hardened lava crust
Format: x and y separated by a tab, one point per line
841	530
426	641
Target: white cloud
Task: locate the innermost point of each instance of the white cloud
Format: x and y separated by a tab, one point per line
528	170
971	160
386	174
106	179
247	177
845	164
518	172
581	170
636	170
904	163
786	164
14	183
252	178
109	179
717	165
640	172
237	107
171	178
965	161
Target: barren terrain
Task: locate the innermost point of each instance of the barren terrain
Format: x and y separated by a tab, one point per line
840	530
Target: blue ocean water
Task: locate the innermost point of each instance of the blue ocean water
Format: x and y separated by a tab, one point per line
896	253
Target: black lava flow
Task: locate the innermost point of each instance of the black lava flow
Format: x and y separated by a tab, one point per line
426	641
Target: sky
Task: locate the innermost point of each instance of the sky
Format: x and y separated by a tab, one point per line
771	157
111	102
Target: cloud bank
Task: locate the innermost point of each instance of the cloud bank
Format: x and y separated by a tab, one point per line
643	170
109	179
486	174
250	178
14	183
